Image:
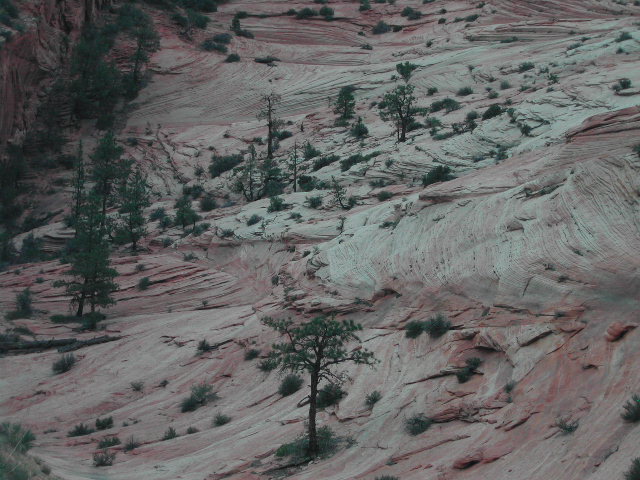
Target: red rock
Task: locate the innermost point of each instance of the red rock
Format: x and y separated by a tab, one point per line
617	330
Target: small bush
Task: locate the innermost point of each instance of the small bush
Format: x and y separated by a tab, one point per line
208	203
566	426
328	443
107	442
64	363
526	66
622	84
384	195
329	395
447	104
432	91
232	58
315	201
103	458
18	438
441	173
210	45
464	91
327	12
373	398
306	13
251	354
417	424
131	444
158	214
493	111
224	163
224	38
104	423
192	430
290	385
144	283
359	129
504	85
632	409
509	386
380	28
322	162
437	326
276	204
201	394
309	151
23	306
169	434
79	430
137	386
634	471
268	60
414	329
254	219
220	420
623	37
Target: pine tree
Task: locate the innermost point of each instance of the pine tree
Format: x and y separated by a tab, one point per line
294	166
78	185
345	105
316	347
185	214
268	112
399	109
259	178
108	169
92	276
134	199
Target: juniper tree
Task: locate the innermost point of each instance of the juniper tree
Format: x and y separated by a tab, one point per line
92	276
268	112
316	347
398	107
405	70
134	199
345	105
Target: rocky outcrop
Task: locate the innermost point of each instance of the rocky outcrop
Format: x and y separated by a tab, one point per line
32	59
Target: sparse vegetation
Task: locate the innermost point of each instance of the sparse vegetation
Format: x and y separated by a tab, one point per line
299	449
441	173
16	436
103	458
23	306
131	444
437	326
290	385
107	442
201	394
466	372
221	419
104	423
632	409
634	471
251	354
80	430
417	424
372	398
566	426
64	363
169	434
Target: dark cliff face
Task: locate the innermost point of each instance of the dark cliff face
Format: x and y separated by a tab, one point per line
32	59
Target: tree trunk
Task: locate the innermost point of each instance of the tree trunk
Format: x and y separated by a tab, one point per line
313	434
80	305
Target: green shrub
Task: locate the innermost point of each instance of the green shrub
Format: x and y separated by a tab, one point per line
372	398
380	28
384	195
169	434
309	151
232	58
306	13
632	409
290	385
158	214
208	203
566	426
220	420
315	201
267	365
210	45
64	363
464	91
329	395
417	424
327	12
526	66
441	173
466	372
224	38
493	111
104	423
276	204
103	458
437	326
328	443
79	430
321	162
251	354
16	436
107	442
131	444
623	36
268	60
23	306
414	329
504	85
203	346
448	104
359	129
137	386
201	394
144	283
622	84
253	220
192	430
634	471
223	163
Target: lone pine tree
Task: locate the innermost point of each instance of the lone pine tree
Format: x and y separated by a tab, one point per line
316	347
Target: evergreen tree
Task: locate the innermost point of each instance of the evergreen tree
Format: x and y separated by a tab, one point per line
134	199
294	166
92	276
147	41
185	214
345	105
108	169
398	107
405	70
259	178
316	347
268	112
78	185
